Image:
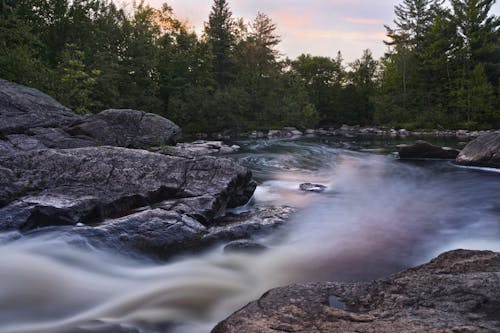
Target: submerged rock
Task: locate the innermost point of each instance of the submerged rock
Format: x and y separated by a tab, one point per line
483	151
127	128
456	292
244	246
423	149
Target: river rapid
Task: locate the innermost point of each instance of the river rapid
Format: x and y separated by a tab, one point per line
378	215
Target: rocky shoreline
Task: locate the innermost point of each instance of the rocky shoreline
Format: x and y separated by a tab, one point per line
456	292
119	180
115	180
343	131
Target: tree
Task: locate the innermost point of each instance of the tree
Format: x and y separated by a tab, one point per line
77	83
139	60
21	50
478	54
406	86
220	36
323	77
362	87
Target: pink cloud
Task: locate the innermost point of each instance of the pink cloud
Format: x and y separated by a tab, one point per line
362	20
291	17
334	34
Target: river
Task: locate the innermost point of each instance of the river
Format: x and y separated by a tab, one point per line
378	215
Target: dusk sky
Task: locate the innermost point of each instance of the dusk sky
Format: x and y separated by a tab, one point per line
318	27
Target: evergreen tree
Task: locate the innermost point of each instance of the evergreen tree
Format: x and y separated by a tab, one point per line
77	84
362	87
478	52
220	35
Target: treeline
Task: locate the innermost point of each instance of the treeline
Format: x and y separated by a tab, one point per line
442	67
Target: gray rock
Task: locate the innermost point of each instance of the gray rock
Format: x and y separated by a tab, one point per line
309	187
88	185
162	230
244	246
22	108
197	148
153	232
6	148
456	292
247	225
59	138
24	142
127	128
483	151
423	149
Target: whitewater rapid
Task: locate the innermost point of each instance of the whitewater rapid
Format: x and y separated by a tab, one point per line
378	216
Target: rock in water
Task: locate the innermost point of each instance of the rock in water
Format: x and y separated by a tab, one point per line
87	185
456	292
309	187
244	246
423	149
128	128
483	151
23	108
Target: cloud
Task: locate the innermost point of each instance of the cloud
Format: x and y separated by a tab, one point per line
292	17
335	34
364	21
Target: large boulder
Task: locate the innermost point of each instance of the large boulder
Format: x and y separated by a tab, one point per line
456	292
423	149
128	128
88	185
30	120
23	108
483	151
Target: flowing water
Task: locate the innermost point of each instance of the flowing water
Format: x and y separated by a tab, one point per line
378	216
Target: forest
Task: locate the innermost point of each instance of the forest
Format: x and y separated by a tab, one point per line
441	68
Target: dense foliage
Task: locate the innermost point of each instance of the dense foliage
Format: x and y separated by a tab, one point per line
442	68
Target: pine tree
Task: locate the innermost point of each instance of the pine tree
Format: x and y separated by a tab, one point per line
221	38
476	56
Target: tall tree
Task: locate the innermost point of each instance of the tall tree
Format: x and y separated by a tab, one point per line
407	87
220	35
362	85
479	51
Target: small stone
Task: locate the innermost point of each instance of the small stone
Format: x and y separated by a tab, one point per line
244	246
309	187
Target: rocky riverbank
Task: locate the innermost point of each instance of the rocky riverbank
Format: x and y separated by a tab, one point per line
91	177
119	181
456	292
343	131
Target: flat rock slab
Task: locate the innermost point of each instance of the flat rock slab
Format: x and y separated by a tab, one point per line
423	149
483	151
87	185
456	292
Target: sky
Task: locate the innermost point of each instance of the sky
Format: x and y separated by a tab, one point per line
318	27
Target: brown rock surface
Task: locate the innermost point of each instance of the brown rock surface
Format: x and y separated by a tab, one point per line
459	291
